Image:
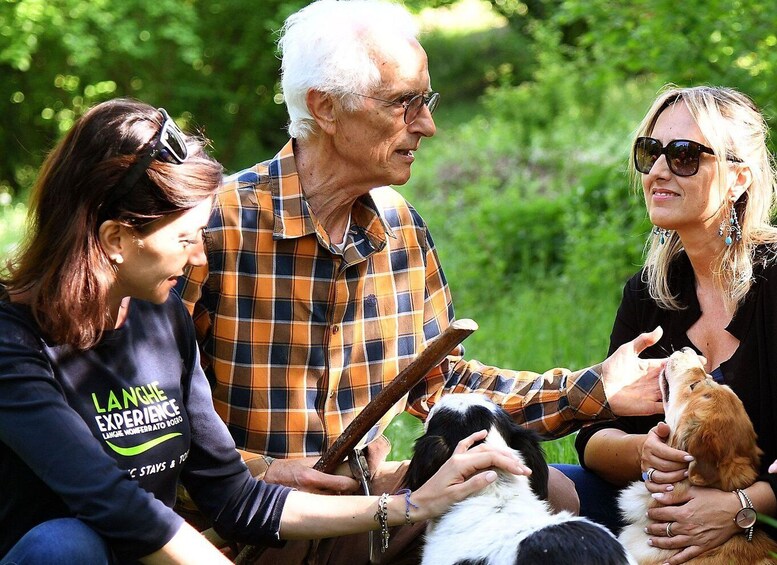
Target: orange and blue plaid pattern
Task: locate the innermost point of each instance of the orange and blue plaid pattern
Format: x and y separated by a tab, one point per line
299	336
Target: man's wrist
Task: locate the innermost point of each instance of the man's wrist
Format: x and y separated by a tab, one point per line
257	463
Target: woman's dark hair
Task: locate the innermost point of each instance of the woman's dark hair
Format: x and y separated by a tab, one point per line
61	265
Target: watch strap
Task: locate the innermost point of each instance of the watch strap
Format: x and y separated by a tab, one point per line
745	501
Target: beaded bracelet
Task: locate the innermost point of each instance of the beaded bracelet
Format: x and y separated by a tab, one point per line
407	492
381	516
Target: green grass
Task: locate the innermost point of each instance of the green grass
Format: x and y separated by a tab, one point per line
405	429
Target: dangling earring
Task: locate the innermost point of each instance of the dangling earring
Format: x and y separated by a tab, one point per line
663	234
730	226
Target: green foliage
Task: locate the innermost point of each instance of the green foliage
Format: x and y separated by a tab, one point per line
705	42
463	64
208	63
12	217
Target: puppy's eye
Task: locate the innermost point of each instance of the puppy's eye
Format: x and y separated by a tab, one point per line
693	385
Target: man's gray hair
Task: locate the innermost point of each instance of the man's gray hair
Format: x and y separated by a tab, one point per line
330	46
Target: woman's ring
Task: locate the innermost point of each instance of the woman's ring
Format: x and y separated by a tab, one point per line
669	533
649	474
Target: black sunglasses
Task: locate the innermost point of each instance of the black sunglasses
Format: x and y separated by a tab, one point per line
169	145
682	155
411	105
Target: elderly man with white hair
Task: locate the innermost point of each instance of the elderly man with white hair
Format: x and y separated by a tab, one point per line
323	283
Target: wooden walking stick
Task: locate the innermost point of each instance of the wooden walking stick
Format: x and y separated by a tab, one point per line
427	360
389	395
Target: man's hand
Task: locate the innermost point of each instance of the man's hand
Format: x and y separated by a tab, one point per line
631	383
299	474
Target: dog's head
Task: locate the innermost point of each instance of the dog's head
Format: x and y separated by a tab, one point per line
708	421
456	416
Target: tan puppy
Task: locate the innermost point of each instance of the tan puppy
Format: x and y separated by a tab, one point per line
708	421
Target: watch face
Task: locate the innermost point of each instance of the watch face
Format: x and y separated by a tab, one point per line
746	518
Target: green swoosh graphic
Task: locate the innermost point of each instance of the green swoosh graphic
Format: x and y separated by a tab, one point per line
130	451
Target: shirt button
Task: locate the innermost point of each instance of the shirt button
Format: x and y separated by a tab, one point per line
335	329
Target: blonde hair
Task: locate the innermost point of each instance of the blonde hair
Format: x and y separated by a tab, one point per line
735	128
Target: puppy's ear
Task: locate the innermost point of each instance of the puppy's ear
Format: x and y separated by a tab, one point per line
527	443
702	472
431	452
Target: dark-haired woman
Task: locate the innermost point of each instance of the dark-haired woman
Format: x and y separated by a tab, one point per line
103	405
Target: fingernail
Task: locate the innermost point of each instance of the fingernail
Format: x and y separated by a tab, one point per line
644	530
685	473
490	476
658	495
670	488
650	541
688	457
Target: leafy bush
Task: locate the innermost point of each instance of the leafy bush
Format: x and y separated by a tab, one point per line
463	64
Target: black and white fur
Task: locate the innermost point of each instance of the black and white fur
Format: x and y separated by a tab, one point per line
509	522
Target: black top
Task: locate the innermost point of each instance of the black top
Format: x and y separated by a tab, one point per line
105	434
751	371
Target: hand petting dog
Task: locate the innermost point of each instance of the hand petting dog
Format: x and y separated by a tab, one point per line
669	465
469	470
631	383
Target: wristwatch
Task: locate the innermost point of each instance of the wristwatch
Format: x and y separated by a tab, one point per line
745	518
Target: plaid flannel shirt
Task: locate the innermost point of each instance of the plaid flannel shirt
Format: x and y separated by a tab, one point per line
300	337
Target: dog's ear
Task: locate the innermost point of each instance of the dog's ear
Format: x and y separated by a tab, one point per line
527	443
702	472
431	452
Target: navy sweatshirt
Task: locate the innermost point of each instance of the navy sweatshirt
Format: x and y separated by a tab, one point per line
104	435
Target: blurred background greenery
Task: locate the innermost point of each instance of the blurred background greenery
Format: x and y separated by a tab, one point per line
524	186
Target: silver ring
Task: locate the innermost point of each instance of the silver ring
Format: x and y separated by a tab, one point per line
669	533
649	474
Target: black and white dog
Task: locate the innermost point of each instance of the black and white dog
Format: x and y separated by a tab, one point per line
509	522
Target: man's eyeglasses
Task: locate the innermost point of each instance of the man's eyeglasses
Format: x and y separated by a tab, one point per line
412	105
169	145
682	155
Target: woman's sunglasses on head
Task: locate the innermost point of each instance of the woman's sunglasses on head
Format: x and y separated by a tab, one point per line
682	155
168	145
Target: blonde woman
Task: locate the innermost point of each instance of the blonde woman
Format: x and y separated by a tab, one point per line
710	281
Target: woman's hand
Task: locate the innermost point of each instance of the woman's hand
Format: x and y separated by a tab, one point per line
466	472
662	465
699	520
